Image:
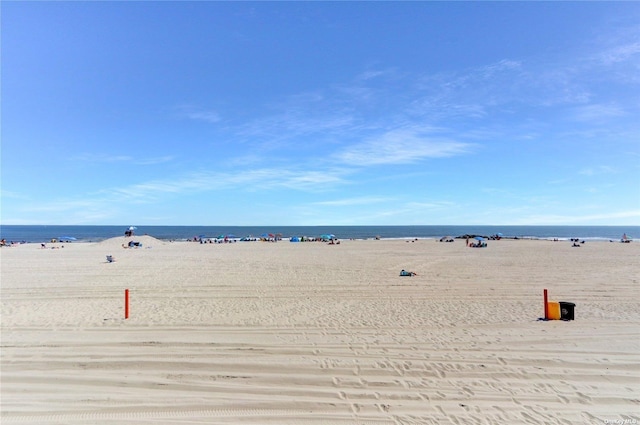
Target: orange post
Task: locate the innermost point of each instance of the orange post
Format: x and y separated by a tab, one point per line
126	303
546	306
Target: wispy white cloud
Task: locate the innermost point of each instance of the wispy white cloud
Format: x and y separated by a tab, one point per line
153	160
102	204
364	200
432	205
298	127
199	114
110	158
245	180
7	194
371	74
601	169
401	146
97	157
502	66
597	112
208	116
620	53
294	123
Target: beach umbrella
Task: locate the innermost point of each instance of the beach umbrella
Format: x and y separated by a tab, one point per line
67	238
479	238
133	228
328	236
499	234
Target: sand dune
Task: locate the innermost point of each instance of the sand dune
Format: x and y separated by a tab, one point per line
308	333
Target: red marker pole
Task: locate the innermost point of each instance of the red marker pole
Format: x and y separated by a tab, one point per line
546	306
126	303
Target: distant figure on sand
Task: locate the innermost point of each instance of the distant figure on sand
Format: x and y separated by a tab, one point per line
406	273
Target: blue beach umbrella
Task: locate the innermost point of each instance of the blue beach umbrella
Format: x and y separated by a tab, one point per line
479	238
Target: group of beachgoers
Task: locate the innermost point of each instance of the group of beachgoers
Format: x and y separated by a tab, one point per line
4	242
227	239
479	243
576	242
132	244
43	245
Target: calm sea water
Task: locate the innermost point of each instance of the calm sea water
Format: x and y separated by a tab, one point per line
44	233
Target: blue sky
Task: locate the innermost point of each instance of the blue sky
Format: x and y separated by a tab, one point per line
312	113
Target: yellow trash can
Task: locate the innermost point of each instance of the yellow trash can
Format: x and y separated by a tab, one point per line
553	309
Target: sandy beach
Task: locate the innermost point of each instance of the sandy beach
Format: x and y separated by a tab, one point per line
311	333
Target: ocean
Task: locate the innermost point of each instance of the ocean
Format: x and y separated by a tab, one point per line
44	233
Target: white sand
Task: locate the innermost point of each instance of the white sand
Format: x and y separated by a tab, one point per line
308	333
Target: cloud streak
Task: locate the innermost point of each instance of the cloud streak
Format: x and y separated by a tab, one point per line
365	200
242	180
100	204
109	158
401	146
198	114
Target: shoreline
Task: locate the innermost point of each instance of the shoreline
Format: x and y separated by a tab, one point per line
39	234
286	239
